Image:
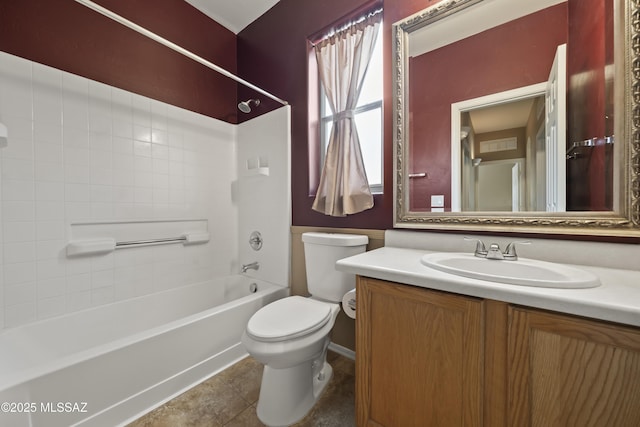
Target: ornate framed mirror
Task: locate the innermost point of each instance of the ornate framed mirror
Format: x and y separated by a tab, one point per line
518	116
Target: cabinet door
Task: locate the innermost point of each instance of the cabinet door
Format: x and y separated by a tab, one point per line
418	357
568	371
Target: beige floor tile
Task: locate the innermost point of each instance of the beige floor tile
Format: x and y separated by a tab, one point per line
336	406
247	382
247	418
229	399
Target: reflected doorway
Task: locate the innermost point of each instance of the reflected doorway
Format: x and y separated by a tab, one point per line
526	123
499	186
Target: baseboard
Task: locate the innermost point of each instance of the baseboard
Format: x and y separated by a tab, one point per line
343	351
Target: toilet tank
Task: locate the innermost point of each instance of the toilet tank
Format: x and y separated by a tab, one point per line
321	251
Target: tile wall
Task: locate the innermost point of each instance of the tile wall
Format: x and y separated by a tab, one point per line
264	201
82	151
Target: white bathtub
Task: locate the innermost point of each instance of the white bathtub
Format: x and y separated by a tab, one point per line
107	365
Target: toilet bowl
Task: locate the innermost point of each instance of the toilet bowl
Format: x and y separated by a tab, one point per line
295	370
290	336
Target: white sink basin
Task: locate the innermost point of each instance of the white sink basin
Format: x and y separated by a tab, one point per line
525	272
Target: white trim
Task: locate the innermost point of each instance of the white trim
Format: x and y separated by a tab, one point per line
555	130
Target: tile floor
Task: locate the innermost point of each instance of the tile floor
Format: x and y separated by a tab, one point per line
229	399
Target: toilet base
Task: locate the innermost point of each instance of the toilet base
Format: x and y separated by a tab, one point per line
287	395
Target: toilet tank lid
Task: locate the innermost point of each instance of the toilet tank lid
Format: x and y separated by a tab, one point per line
335	239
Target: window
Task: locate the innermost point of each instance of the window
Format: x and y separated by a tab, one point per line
368	117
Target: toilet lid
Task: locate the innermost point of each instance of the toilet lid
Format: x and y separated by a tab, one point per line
288	318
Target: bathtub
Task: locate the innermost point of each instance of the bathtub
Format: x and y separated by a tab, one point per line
107	365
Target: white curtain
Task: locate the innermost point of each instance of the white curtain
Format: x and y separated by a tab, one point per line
343	59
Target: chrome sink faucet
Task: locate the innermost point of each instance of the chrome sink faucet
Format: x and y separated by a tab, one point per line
494	251
251	266
481	249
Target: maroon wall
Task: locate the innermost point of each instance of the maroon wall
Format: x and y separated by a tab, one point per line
273	53
516	54
68	36
590	174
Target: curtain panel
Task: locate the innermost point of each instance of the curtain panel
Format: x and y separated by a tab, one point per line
343	59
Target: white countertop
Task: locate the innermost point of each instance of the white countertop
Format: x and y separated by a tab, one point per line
617	299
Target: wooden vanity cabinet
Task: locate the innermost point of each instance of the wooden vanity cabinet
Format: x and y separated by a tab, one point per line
570	371
418	356
430	358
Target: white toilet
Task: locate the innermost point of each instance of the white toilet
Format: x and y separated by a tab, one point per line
290	336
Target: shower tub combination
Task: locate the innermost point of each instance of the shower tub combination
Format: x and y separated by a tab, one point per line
107	365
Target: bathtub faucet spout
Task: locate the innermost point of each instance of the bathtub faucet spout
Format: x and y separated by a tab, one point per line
252	266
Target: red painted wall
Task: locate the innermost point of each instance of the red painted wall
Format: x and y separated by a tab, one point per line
68	36
590	175
273	53
516	54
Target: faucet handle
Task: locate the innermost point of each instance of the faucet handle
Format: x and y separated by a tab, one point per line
481	249
510	250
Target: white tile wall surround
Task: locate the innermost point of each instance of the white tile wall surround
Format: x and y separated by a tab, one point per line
83	151
264	207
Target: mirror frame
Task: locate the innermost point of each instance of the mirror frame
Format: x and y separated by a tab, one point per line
623	222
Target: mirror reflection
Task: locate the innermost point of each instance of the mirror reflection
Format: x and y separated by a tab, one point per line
515	114
503	158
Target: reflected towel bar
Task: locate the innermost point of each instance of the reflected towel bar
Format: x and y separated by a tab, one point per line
590	143
418	175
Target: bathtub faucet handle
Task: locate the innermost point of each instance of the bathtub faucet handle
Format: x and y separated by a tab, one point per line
255	241
251	266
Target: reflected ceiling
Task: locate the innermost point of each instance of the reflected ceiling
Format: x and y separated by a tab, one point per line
504	116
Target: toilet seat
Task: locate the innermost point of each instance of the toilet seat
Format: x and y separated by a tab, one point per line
288	318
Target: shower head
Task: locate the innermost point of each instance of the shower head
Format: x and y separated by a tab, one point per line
245	106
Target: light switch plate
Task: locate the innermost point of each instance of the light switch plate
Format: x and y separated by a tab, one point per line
437	201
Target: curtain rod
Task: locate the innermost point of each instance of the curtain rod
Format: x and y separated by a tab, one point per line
344	23
175	47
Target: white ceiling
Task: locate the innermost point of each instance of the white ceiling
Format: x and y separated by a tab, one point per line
233	14
510	115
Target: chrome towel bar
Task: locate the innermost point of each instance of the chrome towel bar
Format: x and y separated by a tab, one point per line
97	246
